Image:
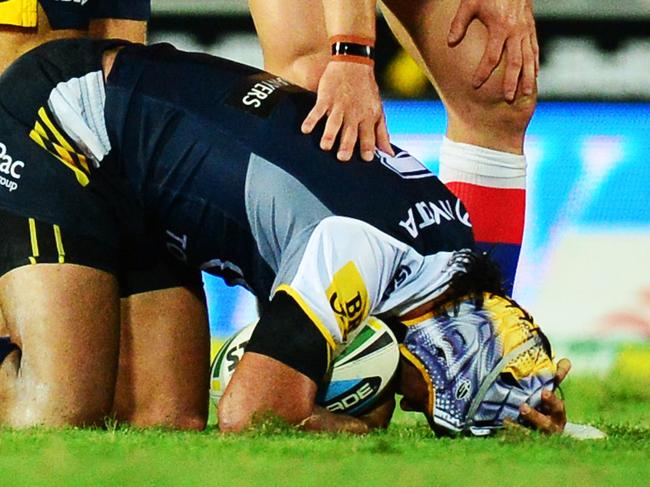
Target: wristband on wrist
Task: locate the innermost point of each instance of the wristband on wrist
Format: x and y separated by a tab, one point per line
353	49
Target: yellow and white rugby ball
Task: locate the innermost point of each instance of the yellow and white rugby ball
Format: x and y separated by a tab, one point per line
361	370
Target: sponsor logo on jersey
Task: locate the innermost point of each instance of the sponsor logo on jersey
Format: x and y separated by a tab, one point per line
427	213
260	93
10	170
348	298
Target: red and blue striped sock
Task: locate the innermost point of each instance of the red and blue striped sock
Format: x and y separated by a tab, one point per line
492	186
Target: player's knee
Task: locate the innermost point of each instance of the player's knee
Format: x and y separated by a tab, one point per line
490	121
174	420
191	423
516	115
58	413
82	416
80	407
487	105
181	422
28	403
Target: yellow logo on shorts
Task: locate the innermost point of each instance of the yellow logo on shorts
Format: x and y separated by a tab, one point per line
348	298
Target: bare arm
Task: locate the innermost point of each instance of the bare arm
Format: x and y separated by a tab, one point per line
347	91
263	387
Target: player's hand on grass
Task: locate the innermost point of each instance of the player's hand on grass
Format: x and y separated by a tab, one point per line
348	95
552	418
511	33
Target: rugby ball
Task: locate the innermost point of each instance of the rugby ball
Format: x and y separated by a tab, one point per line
360	371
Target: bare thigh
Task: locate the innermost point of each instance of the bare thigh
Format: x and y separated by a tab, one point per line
164	360
479	116
65	320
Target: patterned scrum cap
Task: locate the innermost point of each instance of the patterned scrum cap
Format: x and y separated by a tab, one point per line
480	363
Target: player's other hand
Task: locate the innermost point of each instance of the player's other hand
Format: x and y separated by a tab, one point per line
511	33
348	95
552	418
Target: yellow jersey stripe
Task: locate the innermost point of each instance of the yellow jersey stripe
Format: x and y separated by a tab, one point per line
39	128
68	154
62	155
83	161
65	154
59	243
418	320
33	237
312	316
38	137
59	137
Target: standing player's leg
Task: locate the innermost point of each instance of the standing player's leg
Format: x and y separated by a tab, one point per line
64	321
481	158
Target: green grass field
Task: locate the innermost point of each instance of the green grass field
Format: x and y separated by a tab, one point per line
406	454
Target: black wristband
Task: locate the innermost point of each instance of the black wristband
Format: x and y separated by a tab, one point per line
353	49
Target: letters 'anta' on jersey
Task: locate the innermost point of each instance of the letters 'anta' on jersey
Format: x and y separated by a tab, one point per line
213	152
71	14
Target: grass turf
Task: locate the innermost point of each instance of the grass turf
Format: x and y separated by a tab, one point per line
406	454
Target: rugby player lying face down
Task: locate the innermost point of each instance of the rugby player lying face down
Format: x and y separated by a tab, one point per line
470	364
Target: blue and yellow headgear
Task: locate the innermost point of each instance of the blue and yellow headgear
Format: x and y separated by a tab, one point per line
481	361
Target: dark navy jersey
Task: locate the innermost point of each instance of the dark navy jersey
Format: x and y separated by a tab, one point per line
215	147
212	152
72	14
